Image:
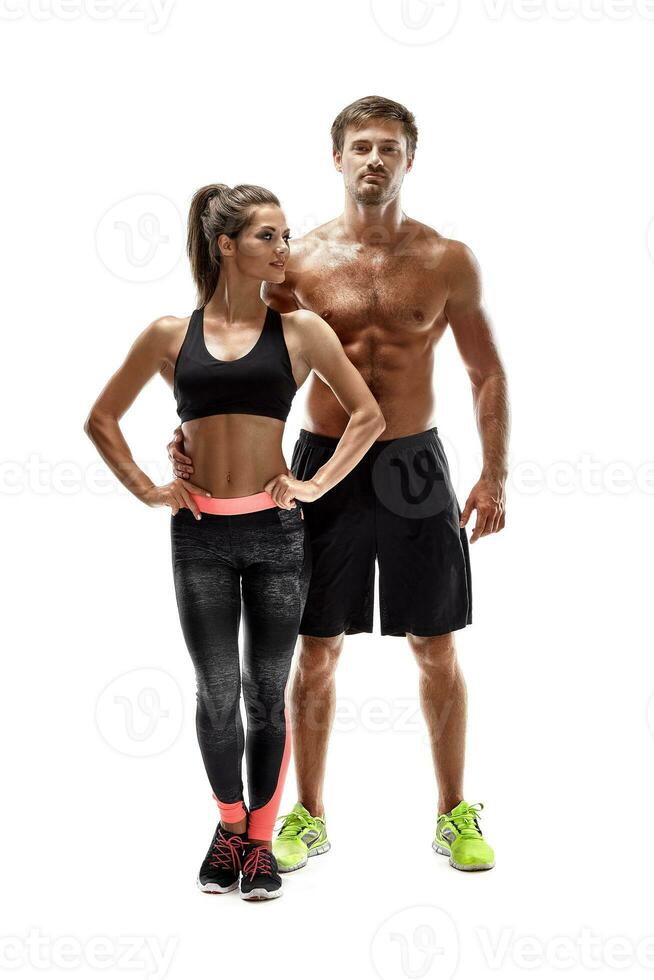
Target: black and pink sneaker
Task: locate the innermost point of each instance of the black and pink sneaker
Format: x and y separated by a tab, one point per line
222	866
260	878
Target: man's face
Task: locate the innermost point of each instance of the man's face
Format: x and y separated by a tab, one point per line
374	161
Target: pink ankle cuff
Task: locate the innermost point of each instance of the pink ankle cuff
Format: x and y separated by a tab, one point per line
230	812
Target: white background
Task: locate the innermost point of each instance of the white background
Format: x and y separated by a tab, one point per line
535	148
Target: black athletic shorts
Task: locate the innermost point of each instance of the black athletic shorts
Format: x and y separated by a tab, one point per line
397	506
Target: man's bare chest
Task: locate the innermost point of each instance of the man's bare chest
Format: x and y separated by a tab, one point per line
380	292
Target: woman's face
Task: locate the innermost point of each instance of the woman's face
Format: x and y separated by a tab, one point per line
261	250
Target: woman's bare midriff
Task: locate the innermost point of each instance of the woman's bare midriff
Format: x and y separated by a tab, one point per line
234	455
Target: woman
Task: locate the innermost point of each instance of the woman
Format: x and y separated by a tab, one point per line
235	365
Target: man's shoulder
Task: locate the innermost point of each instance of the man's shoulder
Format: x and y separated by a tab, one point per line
309	253
459	261
319	238
450	255
452	250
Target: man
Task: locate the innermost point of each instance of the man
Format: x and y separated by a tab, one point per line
389	286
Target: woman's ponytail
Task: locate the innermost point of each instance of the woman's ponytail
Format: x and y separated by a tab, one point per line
203	252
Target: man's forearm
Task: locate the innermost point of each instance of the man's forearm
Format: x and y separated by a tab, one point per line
491	402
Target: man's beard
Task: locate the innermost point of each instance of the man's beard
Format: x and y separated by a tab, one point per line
375	195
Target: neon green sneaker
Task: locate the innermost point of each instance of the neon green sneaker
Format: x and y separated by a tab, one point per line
458	837
301	837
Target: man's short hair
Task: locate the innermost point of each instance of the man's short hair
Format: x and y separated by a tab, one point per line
358	113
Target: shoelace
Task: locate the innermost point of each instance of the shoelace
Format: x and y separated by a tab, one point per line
293	824
227	853
466	821
258	860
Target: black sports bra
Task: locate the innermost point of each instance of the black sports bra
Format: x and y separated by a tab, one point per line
259	383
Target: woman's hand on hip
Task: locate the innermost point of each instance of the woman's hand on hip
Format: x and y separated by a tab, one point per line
285	490
175	495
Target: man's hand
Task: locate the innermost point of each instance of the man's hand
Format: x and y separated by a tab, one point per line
182	465
488	499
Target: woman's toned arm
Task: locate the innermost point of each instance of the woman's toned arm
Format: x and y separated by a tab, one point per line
323	353
144	359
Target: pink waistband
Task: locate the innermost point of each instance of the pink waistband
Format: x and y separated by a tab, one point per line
234	505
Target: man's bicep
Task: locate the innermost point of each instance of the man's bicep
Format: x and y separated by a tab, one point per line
466	315
464	289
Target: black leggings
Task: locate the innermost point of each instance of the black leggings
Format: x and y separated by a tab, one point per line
267	554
